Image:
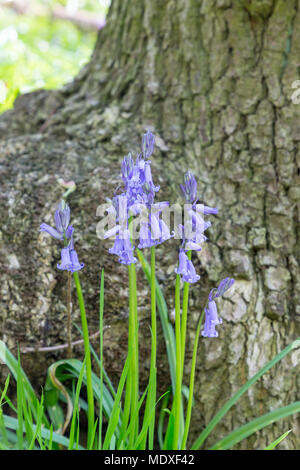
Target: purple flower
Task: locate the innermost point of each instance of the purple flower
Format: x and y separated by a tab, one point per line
211	313
192	233
66	262
75	265
69	232
148	177
127	168
139	195
210	210
52	231
123	248
145	236
209	330
64	232
148	141
186	269
62	219
224	285
189	188
140	187
69	260
154	231
62	216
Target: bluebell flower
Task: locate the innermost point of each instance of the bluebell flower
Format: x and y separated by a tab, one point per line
62	216
224	285
189	188
139	195
127	168
66	262
62	219
75	265
186	269
209	330
145	236
69	260
210	210
211	313
148	177
154	231
64	232
123	248
192	232
148	141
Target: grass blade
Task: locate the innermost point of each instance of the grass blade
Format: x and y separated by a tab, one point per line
75	406
168	330
12	423
7	357
199	441
115	413
101	308
261	422
277	441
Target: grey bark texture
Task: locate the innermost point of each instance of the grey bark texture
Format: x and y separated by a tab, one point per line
213	80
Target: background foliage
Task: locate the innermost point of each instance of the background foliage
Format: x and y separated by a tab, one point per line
42	52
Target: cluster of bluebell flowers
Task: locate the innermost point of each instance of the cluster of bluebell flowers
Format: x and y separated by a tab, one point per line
137	199
64	232
192	234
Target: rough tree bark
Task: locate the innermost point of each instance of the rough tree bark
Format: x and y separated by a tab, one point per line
212	79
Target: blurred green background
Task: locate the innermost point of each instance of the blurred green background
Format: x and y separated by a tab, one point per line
38	50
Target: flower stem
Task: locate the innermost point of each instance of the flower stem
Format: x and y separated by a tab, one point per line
90	397
177	397
101	308
151	395
133	342
153	347
185	302
192	381
69	319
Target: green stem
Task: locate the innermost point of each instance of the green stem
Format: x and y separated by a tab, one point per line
192	381
85	332
69	317
133	342
177	397
151	396
153	346
185	302
101	308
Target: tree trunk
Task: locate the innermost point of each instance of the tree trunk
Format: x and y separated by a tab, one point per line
213	80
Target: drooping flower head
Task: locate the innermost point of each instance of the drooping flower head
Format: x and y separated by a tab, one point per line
189	188
192	232
127	168
154	230
69	260
64	232
148	141
211	313
123	248
186	269
62	218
